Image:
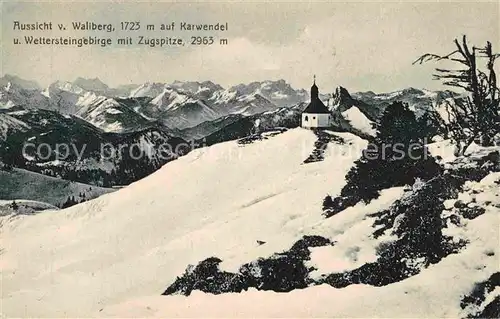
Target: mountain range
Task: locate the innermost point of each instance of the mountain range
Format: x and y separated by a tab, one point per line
176	105
89	112
182	105
256	211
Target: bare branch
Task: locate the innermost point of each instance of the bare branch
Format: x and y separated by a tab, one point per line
430	57
478	114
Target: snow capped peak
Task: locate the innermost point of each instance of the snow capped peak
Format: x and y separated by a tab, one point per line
202	90
46	93
170	99
94	84
221	97
17	81
148	89
88	98
278	92
15	91
66	86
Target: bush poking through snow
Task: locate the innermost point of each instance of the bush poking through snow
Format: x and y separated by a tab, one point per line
416	221
207	277
285	271
477	305
397	158
259	136
321	144
281	272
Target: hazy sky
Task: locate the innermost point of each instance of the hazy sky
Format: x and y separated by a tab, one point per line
362	46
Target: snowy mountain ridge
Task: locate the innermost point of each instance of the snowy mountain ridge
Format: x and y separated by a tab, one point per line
182	105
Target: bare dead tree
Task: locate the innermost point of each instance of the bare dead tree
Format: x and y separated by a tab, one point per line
477	115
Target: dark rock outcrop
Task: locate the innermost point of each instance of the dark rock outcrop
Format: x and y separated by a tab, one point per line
207	277
281	272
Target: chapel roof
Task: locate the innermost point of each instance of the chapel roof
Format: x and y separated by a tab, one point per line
316	106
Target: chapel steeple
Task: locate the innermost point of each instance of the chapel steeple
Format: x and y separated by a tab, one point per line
314	90
316	114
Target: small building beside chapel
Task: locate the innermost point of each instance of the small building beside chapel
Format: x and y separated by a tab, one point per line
316	114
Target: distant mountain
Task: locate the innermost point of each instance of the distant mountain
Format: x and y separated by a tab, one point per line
94	85
123	90
15	91
15	80
362	109
237	126
174	106
118	115
94	156
202	90
98	87
184	106
112	114
278	92
148	89
178	105
419	101
232	101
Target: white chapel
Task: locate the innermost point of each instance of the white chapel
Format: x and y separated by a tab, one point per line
316	114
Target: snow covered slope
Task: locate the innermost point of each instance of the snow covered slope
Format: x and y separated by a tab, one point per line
135	241
21	207
115	255
22	184
359	121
